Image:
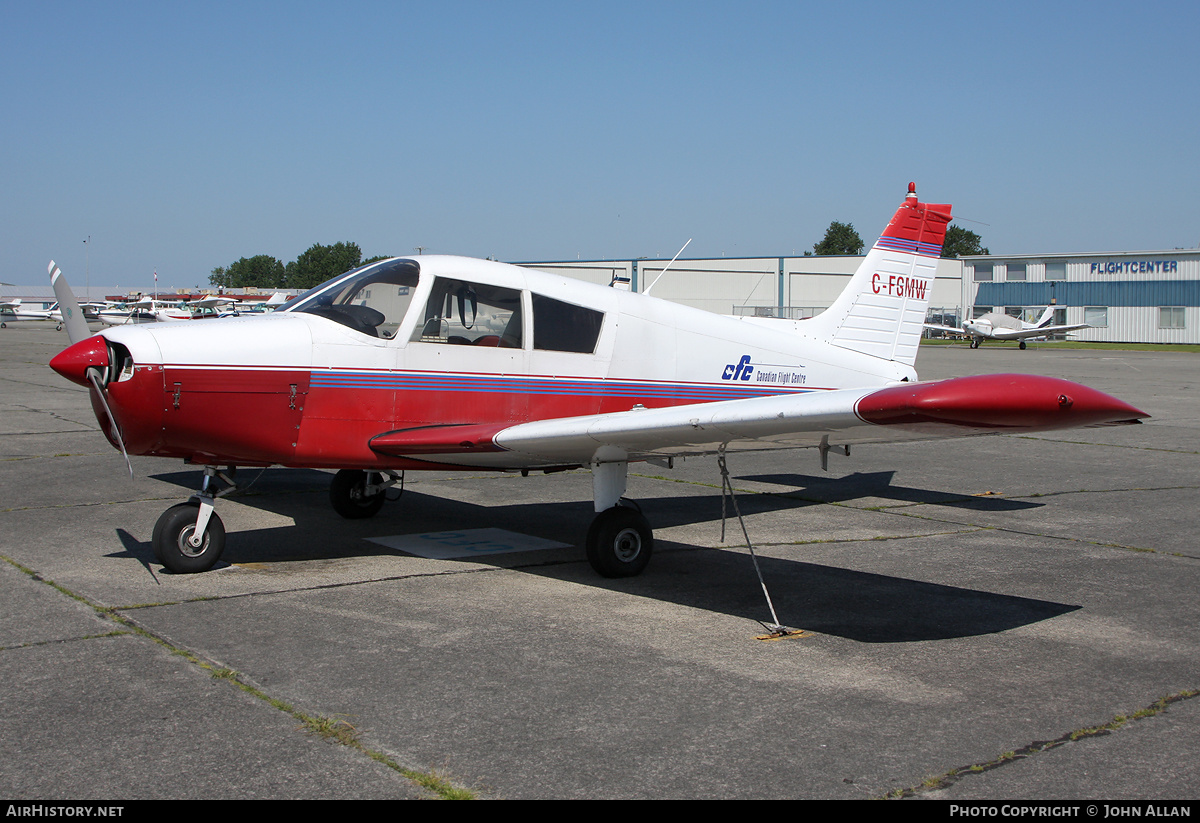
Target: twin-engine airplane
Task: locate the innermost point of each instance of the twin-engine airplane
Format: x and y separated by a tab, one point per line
995	326
442	362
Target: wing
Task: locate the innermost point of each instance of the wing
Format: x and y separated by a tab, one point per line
945	329
1014	334
212	302
958	407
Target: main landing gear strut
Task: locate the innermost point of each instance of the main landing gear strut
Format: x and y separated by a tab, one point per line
356	494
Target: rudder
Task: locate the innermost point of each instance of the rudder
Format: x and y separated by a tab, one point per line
881	312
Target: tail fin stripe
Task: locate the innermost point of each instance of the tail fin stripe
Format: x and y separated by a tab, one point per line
911	246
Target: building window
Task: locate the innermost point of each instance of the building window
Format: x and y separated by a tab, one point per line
980	311
1096	316
983	272
1170	317
1056	270
1016	271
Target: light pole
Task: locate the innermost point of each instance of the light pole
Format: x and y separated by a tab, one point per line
87	267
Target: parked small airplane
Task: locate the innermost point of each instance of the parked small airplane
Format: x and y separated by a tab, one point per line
438	362
207	308
12	311
996	326
145	310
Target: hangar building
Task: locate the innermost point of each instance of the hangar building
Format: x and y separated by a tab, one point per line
1127	297
791	287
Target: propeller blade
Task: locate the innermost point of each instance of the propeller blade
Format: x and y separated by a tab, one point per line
77	328
94	376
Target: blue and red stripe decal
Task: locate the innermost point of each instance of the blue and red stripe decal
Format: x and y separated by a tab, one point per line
406	381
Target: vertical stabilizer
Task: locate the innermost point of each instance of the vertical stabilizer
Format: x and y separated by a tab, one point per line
881	312
1046	317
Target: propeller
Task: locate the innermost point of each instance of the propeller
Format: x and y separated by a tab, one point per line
72	317
98	393
95	358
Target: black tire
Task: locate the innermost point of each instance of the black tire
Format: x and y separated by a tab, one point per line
347	497
1022	344
171	533
619	542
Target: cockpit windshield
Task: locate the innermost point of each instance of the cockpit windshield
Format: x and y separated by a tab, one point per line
372	299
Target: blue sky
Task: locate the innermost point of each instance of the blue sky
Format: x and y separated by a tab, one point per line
182	136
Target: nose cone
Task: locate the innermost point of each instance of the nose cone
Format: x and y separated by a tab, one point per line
74	361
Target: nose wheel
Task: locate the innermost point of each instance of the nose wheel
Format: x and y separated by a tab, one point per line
189	538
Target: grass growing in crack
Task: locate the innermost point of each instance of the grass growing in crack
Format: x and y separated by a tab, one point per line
332	729
1119	720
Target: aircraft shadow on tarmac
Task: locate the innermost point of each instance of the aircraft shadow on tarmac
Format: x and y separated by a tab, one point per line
856	605
879	484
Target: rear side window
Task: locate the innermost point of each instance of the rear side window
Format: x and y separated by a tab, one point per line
559	326
460	313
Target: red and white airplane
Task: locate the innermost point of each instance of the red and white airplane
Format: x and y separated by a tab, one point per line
440	362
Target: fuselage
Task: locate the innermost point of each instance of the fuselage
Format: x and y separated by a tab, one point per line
986	325
447	341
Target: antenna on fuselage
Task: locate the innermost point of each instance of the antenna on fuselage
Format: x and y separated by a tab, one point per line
664	269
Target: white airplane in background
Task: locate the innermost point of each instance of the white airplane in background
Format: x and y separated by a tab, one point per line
144	310
212	307
438	362
996	326
12	311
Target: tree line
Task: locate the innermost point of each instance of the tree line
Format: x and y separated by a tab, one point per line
841	238
320	263
313	267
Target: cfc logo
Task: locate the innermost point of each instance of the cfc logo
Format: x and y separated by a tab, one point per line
738	371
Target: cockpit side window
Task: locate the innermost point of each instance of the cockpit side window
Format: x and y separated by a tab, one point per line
471	314
371	300
559	326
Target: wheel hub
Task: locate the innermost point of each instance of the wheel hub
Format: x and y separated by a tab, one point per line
187	545
628	545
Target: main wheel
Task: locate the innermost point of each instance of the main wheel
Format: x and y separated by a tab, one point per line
619	542
171	540
347	494
1022	344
